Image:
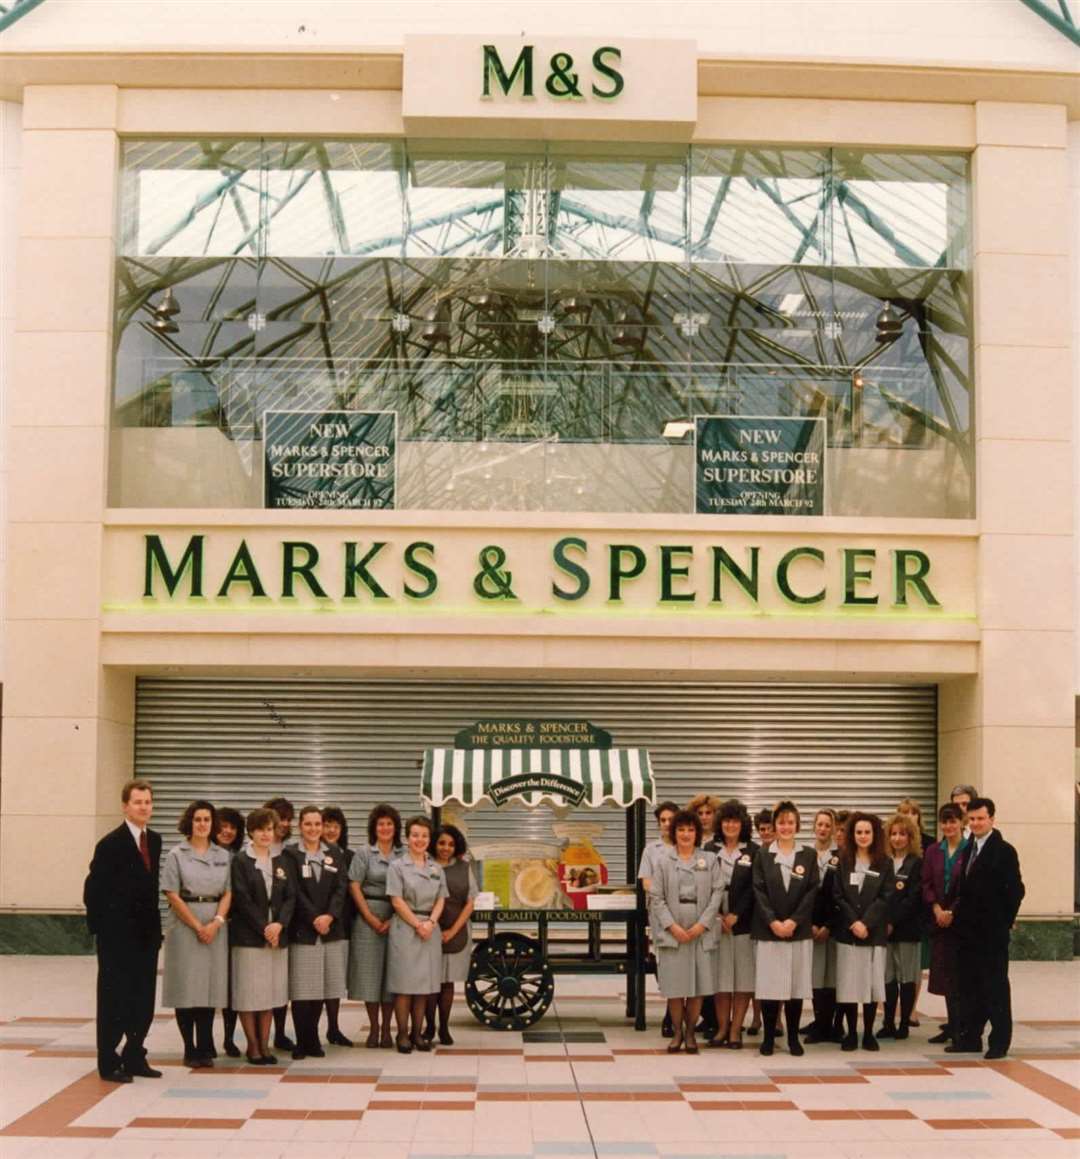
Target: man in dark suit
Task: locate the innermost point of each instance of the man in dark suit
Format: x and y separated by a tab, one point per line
121	899
988	897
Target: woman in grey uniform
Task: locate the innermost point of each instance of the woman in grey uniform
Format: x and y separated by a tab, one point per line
735	951
416	886
862	887
195	882
647	867
903	960
318	951
264	896
367	943
450	850
684	902
785	887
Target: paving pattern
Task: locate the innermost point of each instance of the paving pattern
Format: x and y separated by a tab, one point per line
582	1083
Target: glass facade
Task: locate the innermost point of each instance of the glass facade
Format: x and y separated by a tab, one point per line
545	320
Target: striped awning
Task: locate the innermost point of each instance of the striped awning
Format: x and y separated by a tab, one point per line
586	777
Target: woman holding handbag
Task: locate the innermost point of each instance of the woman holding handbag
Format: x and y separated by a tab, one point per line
450	850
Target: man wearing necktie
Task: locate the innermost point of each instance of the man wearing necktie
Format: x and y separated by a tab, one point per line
988	897
121	899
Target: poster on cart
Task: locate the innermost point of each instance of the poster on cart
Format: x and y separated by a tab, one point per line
329	459
759	465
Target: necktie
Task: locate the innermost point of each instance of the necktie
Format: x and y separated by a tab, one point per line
974	854
144	849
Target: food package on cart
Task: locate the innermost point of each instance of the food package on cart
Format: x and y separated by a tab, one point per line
521	874
581	866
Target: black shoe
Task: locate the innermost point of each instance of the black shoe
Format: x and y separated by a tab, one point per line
404	1046
338	1039
298	1054
145	1072
888	1032
869	1042
795	1047
117	1076
901	1033
422	1044
849	1042
232	1050
766	1048
938	1039
316	1052
914	1022
964	1048
445	1037
268	1060
995	1053
753	1030
192	1060
815	1036
284	1042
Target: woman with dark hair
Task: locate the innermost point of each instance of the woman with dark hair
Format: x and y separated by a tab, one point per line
229	835
336	832
940	879
903	961
735	950
264	896
785	888
862	889
367	945
684	901
195	882
318	952
824	964
416	886
450	850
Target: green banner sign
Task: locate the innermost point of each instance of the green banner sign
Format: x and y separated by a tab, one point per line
532	734
572	792
750	465
329	459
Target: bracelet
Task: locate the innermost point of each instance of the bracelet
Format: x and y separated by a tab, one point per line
218	918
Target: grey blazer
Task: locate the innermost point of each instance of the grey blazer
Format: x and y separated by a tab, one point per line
669	872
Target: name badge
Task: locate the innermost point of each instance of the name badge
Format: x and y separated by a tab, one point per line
329	868
305	870
872	873
854	880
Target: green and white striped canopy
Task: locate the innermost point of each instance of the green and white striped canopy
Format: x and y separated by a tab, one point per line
586	777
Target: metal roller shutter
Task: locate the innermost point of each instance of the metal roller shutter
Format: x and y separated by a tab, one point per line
356	742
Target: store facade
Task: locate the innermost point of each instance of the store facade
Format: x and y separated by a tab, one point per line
558	375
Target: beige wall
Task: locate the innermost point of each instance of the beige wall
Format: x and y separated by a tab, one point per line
1007	680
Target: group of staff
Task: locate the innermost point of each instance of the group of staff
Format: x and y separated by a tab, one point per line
261	920
839	922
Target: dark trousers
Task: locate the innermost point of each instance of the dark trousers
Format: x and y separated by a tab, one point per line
983	994
126	982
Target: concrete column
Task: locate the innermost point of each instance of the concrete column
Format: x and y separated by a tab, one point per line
64	719
1010	730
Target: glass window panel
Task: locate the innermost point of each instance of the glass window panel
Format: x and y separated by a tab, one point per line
333	198
758	205
899	209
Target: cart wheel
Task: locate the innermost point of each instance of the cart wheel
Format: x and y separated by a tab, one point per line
510	985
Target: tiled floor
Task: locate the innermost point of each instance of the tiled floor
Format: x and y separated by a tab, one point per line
590	1087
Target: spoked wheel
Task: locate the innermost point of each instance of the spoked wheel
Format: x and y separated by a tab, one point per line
510	985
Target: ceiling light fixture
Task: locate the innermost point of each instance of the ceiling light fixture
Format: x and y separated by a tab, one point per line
889	324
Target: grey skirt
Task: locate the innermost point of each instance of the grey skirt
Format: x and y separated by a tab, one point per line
318	971
413	966
734	964
455	967
825	965
903	962
260	977
367	956
194	974
783	970
860	974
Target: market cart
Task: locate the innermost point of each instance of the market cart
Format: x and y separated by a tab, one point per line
511	978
